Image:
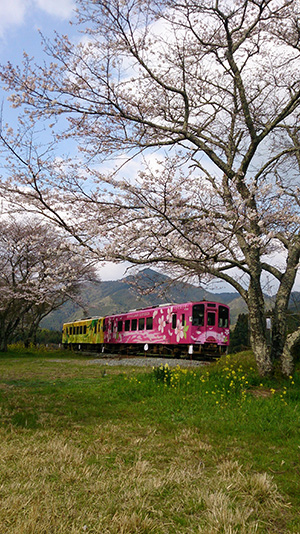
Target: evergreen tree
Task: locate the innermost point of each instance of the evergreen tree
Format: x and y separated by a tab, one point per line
239	339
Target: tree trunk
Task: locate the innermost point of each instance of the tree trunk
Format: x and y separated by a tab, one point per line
278	334
3	344
260	348
280	345
287	359
258	334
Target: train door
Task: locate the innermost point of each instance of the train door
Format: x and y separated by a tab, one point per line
211	317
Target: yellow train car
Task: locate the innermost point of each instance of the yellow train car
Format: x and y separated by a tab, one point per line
83	334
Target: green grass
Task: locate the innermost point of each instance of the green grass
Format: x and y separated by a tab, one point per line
99	449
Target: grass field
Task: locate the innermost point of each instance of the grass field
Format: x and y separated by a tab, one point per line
86	448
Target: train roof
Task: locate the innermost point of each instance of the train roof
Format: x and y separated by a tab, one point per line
165	304
94	318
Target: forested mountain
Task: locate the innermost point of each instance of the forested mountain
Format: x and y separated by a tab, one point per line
109	297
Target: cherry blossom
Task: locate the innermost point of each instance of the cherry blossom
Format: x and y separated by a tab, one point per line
179	331
161	324
39	271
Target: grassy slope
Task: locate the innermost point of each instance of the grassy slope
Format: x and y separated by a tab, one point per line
87	448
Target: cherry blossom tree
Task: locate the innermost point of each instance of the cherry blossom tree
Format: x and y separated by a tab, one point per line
39	271
209	88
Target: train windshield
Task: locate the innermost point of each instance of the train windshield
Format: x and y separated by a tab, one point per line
223	317
211	318
198	315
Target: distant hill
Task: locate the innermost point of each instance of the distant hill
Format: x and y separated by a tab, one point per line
294	303
147	288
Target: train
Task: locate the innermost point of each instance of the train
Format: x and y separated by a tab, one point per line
199	328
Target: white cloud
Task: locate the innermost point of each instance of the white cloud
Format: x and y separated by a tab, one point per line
113	271
57	8
12	13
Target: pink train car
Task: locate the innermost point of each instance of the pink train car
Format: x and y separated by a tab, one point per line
193	327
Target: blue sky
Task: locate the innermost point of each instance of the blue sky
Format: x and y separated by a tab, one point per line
20	21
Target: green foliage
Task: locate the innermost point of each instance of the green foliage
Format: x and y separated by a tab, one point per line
45	336
163	374
230	379
239	337
293	321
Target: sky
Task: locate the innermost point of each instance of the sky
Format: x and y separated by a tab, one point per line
20	23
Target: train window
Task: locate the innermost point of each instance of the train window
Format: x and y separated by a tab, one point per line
223	317
120	326
80	329
134	324
149	323
211	319
104	326
127	325
77	330
174	320
84	329
183	319
112	326
211	305
198	315
141	323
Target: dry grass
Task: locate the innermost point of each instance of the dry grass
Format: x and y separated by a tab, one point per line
121	482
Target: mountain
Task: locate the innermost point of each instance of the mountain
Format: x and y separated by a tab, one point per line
294	303
147	288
